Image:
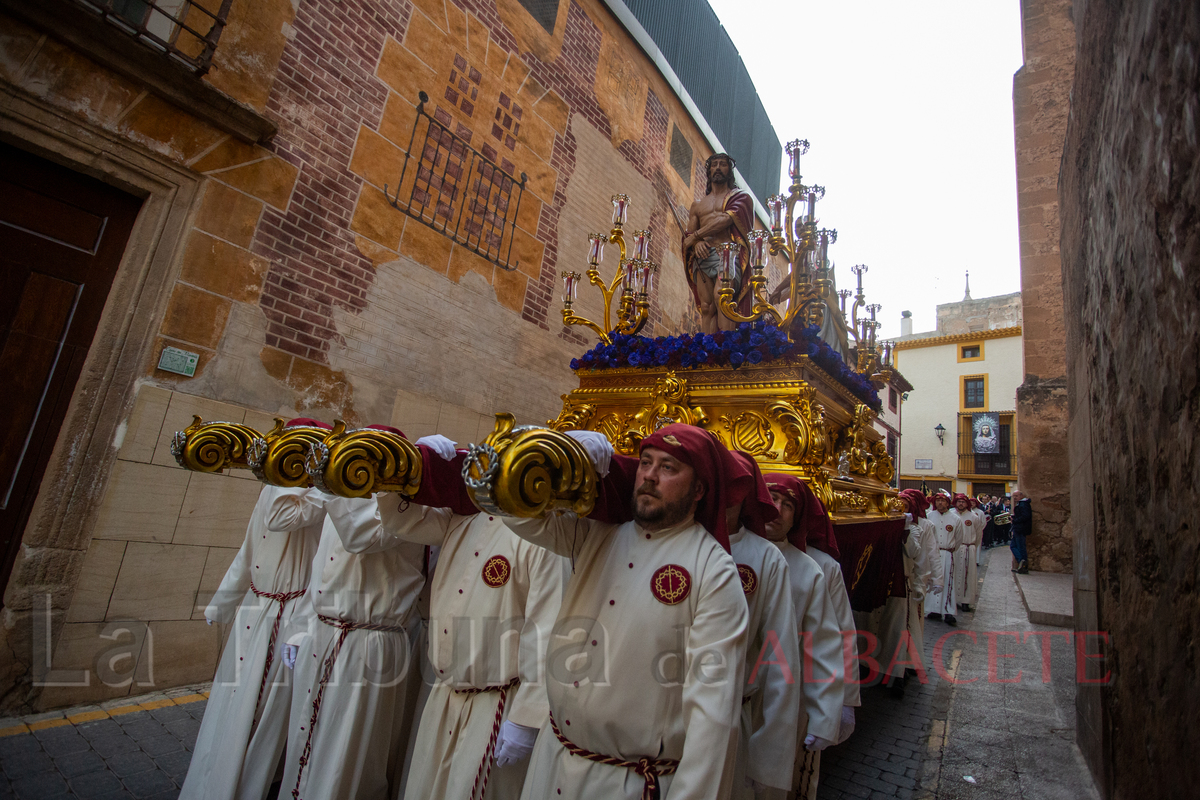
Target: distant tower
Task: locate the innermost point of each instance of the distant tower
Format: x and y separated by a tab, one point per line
967	296
906	323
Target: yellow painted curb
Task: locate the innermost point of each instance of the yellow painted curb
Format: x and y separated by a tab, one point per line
87	716
48	723
189	698
119	710
15	729
153	704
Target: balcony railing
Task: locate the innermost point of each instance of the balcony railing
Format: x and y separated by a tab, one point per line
182	30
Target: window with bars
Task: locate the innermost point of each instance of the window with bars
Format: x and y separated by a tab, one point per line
185	31
458	191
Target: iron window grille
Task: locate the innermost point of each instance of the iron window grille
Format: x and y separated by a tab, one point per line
457	191
183	30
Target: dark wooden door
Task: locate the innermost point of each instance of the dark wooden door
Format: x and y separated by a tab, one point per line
62	235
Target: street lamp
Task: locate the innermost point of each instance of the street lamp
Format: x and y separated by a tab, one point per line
941	434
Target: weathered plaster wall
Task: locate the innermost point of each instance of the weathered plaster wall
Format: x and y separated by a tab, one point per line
1130	195
1041	98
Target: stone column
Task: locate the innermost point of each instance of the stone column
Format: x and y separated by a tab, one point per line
1041	101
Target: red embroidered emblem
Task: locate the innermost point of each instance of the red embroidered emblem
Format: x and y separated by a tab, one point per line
967	522
749	579
950	529
670	584
496	571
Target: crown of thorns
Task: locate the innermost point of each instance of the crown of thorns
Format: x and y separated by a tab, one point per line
725	156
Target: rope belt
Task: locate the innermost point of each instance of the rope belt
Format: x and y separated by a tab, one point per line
485	766
345	626
648	768
282	598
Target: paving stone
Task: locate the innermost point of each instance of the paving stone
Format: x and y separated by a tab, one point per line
111	745
97	729
24	765
175	764
144	728
172	794
18	745
127	764
185	730
74	764
64	745
94	784
41	786
170	713
160	745
146	784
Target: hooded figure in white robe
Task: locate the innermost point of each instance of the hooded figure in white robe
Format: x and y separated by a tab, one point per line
949	527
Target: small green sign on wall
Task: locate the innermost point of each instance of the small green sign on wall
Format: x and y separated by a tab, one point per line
181	362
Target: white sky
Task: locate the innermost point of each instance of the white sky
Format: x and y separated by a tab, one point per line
908	110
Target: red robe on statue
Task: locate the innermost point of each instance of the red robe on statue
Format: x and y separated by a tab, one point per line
740	207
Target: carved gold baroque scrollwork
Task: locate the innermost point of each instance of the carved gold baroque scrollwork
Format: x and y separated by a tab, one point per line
670	401
364	461
882	466
802	421
213	446
750	432
849	501
574	416
278	457
856	443
527	471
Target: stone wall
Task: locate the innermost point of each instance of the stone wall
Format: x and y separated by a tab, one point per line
1041	98
1130	199
982	314
305	292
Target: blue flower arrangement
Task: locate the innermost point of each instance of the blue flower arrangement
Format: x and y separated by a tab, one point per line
750	343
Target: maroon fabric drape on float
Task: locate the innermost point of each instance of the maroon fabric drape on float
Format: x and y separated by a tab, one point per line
872	558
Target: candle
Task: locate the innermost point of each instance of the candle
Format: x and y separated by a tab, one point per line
596	248
758	248
631	266
569	279
647	276
641	243
795	149
620	208
729	257
775	207
823	263
812	206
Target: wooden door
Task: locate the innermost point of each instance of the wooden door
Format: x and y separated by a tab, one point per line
62	235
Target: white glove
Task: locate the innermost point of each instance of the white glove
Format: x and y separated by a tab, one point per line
847	727
598	449
918	593
815	744
289	653
936	590
514	744
209	621
439	444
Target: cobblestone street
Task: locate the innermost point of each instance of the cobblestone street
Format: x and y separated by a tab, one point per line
984	739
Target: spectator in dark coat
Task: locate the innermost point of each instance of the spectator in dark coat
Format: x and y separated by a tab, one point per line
1022	526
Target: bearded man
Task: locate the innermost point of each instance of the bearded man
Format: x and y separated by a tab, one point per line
645	668
724	214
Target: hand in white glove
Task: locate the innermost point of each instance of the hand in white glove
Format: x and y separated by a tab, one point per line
514	744
209	621
936	590
439	444
598	449
847	727
815	744
289	653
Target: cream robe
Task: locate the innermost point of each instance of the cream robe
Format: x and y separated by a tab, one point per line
966	575
823	681
839	596
982	516
927	574
360	575
629	676
481	634
950	534
772	697
241	739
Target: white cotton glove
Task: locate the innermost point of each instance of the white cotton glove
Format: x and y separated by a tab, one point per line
439	444
289	653
209	621
598	449
514	744
936	590
815	744
847	727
